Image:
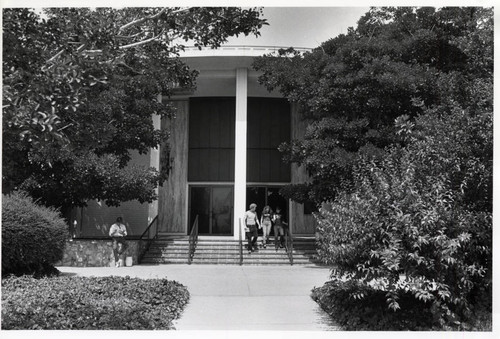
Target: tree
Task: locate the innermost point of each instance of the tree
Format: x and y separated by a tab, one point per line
418	224
354	86
414	227
80	87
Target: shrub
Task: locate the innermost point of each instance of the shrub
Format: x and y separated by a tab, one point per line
33	236
371	312
115	303
418	224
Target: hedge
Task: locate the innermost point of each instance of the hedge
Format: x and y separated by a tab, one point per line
84	303
33	236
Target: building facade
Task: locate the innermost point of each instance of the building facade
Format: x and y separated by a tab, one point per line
222	153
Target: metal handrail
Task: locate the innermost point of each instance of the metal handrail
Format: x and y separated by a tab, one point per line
241	244
148	231
289	245
193	240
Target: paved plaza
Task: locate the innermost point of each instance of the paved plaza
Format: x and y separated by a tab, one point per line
232	297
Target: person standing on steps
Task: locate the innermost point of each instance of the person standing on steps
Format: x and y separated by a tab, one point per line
266	224
251	221
279	228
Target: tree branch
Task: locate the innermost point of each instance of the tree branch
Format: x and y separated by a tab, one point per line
135	44
152	17
130	24
56	56
128	36
122	63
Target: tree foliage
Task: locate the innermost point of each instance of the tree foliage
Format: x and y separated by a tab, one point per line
418	221
398	61
400	144
80	87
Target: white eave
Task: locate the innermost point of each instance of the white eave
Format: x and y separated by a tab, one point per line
227	57
241	51
217	69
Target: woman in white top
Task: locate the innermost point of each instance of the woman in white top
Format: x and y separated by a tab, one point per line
251	222
266	224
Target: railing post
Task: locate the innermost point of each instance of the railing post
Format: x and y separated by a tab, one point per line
148	240
289	245
241	245
193	239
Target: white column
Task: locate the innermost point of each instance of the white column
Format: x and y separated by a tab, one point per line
154	161
240	149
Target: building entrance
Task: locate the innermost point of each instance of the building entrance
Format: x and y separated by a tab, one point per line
266	195
214	207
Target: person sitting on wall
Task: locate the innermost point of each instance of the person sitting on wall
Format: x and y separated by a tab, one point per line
118	232
120	249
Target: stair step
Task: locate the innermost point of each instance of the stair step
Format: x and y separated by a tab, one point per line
163	261
175	250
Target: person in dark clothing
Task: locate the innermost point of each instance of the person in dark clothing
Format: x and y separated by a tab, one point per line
280	226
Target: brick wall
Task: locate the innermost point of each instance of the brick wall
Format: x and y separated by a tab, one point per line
95	253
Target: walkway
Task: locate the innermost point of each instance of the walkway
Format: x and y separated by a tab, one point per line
227	297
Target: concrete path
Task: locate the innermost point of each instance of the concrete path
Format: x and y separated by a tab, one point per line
227	297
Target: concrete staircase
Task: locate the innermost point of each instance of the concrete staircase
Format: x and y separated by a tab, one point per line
226	251
167	250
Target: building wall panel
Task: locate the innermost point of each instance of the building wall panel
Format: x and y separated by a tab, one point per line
172	195
304	224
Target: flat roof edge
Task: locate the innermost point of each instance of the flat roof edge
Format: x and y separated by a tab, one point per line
251	51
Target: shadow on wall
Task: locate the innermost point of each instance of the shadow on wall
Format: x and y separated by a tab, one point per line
94	220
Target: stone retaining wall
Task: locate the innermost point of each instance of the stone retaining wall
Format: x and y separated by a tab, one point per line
95	253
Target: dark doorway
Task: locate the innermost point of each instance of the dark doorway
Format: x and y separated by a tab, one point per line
266	195
214	207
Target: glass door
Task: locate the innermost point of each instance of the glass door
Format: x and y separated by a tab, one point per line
222	211
214	207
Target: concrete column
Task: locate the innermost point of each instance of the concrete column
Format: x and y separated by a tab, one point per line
240	148
154	161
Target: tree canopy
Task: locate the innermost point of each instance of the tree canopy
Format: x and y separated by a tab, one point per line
80	87
400	145
397	61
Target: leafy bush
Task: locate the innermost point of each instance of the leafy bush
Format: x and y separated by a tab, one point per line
371	313
418	223
33	236
117	303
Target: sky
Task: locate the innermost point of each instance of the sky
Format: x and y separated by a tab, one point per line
302	26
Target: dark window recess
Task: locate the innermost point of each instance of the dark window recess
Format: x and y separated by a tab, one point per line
310	208
211	139
269	125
